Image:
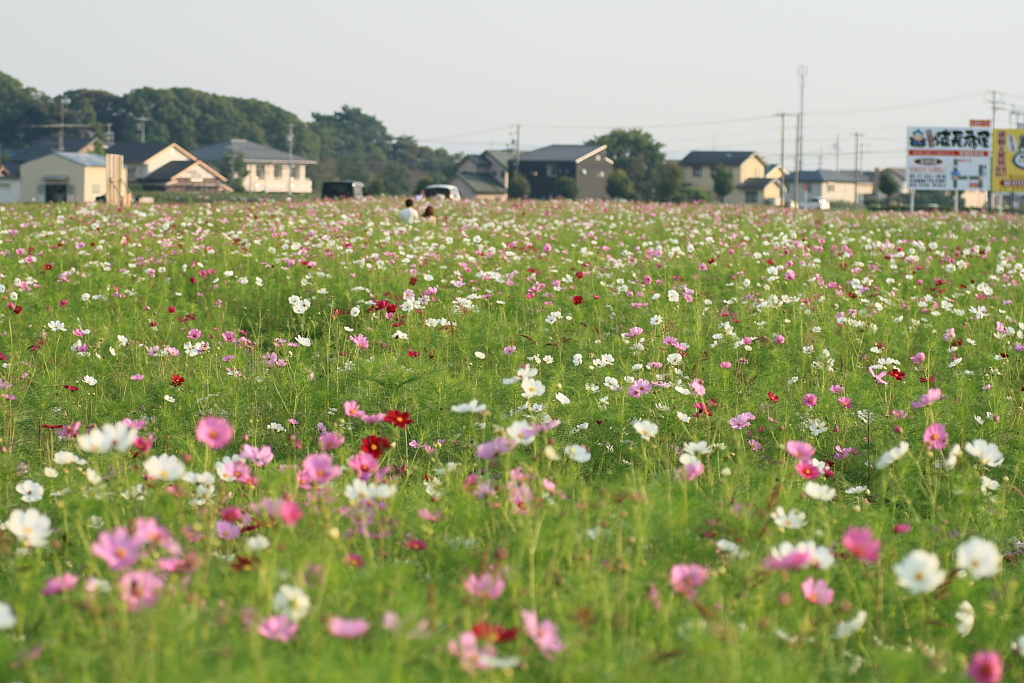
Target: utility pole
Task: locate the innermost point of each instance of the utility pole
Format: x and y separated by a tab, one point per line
835	148
782	158
140	125
997	103
110	135
61	126
856	168
802	72
291	162
517	149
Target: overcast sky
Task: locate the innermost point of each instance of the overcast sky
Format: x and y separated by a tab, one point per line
706	74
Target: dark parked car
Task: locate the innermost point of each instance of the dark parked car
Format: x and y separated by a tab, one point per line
343	188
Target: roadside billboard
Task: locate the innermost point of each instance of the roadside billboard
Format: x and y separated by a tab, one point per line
948	158
1008	160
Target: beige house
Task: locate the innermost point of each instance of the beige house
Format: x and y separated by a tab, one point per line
142	158
754	181
267	169
835	186
483	176
170	167
64	177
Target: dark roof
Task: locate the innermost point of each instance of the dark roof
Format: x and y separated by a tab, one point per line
481	183
82	158
756	183
561	153
824	176
250	151
502	156
138	152
715	158
40	148
173	168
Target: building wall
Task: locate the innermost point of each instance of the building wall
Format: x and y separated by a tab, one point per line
85	183
269	183
162	158
10	190
592	176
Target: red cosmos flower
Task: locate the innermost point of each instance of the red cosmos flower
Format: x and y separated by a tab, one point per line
398	418
177	380
416	544
773	397
48	266
70	387
413	354
577	299
927	380
579	274
375	445
897	374
495	633
172	309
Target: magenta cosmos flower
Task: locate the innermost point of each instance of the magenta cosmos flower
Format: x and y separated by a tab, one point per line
800	449
215	432
140	589
861	543
936	437
687	578
118	548
61	584
986	667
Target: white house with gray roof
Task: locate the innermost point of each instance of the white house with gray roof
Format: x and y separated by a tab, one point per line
267	169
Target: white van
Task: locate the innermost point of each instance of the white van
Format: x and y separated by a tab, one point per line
816	203
446	191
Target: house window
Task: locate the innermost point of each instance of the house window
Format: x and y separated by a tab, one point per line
751	196
278	170
261	172
698	171
583	171
831	187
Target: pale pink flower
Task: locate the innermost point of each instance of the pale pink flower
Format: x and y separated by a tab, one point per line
140	589
817	591
929	397
278	627
61	584
215	432
860	541
350	629
261	456
936	437
800	449
687	578
489	585
544	634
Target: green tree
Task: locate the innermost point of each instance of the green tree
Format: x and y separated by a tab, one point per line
889	185
694	194
233	167
637	153
722	177
566	187
620	186
670	183
519	186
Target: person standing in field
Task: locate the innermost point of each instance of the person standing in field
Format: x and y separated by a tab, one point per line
409	214
428	214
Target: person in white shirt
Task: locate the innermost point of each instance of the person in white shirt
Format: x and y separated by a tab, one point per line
409	214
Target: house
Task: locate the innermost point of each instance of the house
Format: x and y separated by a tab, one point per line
483	176
754	181
165	166
64	177
835	186
48	145
10	185
900	174
588	165
267	169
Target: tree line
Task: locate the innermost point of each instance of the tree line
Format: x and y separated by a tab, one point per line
347	144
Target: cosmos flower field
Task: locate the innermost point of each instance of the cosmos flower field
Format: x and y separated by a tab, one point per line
539	441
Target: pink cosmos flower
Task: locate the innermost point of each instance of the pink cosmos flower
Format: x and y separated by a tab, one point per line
639	388
936	437
509	350
860	541
846	401
779	339
808	469
810	400
375	418
755	444
61	584
796	559
118	548
687	578
227	531
287	511
365	465
261	456
489	585
140	589
837	389
800	449
350	629
429	515
918	358
360	340
742	421
698	387
317	468
902	528
491	449
929	397
692	469
215	432
147	530
986	667
817	591
544	634
278	627
330	441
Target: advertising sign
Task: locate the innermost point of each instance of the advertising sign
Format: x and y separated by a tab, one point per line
1008	160
948	158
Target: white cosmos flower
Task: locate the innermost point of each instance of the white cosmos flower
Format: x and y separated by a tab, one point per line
93	477
169	398
164	467
845	629
954	455
67	458
698	448
979	557
474	406
121	436
892	455
480	354
292	601
517	431
525	372
562	398
794	519
8	620
31	527
303	341
965	618
30	491
257	543
577	453
730	548
988	485
95	441
532	388
919	572
987	453
818	491
90	380
646	429
50	473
